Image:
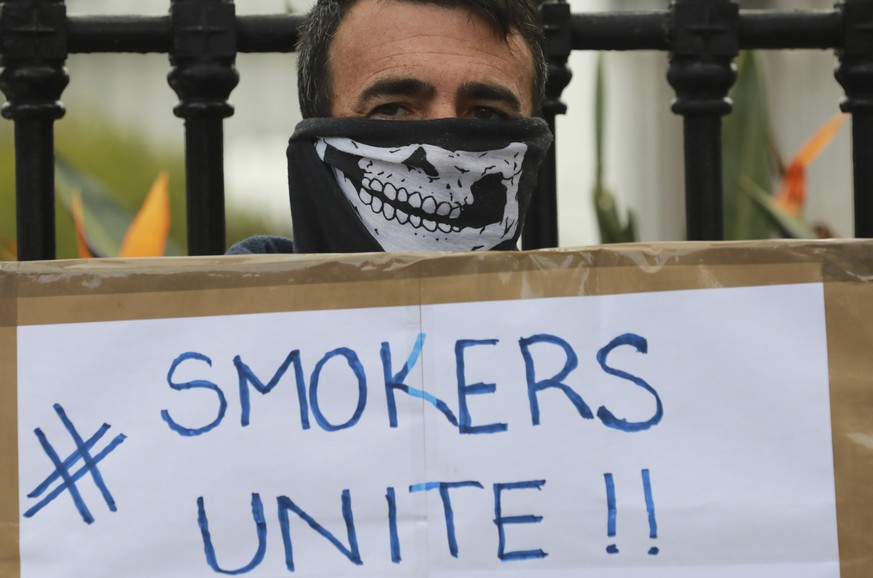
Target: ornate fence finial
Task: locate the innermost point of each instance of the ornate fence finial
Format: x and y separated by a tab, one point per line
704	45
203	54
33	51
704	42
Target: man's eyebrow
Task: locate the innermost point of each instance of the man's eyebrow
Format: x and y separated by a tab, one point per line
394	87
492	92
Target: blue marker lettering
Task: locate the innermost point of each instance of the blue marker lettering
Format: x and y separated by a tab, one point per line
534	386
611	511
500	520
351	552
449	512
395	381
196	384
392	525
650	508
358	369
606	416
209	549
247	376
465	420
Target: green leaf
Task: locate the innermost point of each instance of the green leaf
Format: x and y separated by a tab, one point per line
747	152
608	219
611	229
788	225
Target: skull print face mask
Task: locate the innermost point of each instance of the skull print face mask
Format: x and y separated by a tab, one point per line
437	185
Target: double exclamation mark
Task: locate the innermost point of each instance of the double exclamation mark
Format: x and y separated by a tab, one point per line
612	510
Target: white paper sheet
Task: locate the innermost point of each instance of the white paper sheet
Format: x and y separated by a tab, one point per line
734	478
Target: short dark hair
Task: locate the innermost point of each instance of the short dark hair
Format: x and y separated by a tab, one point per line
318	30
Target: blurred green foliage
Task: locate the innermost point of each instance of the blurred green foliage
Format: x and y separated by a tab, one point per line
609	221
754	168
748	153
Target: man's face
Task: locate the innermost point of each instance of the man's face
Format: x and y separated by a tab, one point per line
392	59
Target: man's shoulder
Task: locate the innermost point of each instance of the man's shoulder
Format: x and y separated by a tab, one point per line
261	244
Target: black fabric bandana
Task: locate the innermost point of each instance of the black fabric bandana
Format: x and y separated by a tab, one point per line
434	185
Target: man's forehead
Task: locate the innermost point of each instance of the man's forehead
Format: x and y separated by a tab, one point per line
467	10
438	43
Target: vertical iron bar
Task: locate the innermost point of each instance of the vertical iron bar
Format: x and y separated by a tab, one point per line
703	178
204	155
203	76
33	45
862	157
704	41
541	222
855	74
35	188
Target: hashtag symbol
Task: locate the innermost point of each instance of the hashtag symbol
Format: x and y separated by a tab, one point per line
62	468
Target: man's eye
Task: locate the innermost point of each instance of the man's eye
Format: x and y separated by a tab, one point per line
488	113
391	110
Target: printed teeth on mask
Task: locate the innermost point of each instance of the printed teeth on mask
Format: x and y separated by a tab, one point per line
390	211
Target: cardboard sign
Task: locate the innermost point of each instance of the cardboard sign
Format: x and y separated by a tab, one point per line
653	411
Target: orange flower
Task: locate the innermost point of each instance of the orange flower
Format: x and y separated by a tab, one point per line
147	235
792	194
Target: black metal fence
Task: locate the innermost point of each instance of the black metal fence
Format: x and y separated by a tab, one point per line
203	37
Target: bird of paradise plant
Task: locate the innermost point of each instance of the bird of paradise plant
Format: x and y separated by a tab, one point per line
792	194
148	231
104	228
785	209
147	235
751	161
